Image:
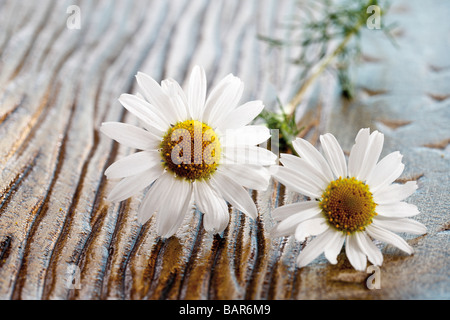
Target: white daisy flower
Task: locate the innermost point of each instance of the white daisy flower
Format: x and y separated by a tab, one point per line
353	204
194	149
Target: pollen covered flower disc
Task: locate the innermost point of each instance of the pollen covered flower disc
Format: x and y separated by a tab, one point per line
348	205
351	204
193	149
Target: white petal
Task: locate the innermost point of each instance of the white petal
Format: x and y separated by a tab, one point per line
289	224
248	135
373	151
217	221
397	210
143	110
216	94
400	225
386	171
241	116
178	99
236	195
334	155
295	163
250	176
196	94
369	248
215	210
297	182
223	99
171	214
310	154
310	227
130	135
133	164
248	155
334	247
315	248
395	192
387	236
354	253
129	186
155	197
157	97
288	210
304	168
358	152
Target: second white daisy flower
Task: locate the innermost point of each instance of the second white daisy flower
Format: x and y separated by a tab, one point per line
194	150
351	204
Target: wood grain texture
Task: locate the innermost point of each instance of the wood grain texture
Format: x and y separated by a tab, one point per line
58	85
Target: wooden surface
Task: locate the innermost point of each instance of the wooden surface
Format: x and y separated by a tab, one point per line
58	85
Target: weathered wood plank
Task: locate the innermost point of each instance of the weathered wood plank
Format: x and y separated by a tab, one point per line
58	85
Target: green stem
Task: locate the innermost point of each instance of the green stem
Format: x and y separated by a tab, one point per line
301	92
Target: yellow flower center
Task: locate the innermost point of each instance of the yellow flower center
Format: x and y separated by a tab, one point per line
191	149
348	205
